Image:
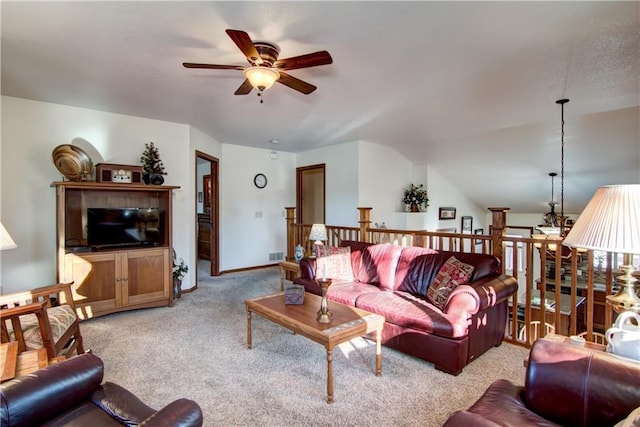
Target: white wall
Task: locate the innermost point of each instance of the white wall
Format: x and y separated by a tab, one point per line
253	220
341	177
252	223
30	132
382	175
32	129
443	194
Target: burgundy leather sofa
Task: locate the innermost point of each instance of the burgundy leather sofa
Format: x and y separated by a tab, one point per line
393	281
564	385
70	393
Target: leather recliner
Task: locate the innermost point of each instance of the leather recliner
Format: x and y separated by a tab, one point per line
565	385
71	393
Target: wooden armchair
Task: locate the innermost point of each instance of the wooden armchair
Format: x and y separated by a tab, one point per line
43	317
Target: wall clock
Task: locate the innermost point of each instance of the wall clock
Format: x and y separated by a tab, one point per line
260	180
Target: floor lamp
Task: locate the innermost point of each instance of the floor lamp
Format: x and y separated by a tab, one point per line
611	223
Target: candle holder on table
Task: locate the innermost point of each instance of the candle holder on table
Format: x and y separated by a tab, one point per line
324	315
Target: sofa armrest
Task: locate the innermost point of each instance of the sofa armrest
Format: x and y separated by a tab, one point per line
181	412
128	409
121	404
308	276
41	395
562	377
466	419
308	268
480	295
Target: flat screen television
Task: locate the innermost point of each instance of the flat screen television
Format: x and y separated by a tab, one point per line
115	227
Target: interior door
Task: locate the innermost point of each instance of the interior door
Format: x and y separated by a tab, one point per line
310	190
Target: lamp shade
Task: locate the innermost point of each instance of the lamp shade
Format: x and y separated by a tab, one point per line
6	242
318	232
261	78
610	222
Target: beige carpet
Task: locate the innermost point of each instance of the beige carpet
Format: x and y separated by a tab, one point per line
197	350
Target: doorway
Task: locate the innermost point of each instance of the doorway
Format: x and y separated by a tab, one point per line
310	194
207	216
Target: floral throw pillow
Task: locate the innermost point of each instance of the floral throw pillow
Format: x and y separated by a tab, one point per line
335	264
453	273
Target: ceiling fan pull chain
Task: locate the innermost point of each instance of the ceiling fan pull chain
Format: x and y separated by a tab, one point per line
260	96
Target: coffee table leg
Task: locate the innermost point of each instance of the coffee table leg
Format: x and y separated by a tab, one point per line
379	352
248	329
329	375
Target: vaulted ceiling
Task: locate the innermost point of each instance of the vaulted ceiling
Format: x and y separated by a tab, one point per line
468	88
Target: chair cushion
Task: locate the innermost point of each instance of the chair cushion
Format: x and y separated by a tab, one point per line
60	318
450	275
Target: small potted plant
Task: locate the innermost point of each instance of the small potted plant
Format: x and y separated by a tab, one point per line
415	196
180	269
152	166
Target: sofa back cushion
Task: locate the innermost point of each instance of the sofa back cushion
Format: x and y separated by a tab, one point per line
414	271
410	269
374	263
483	264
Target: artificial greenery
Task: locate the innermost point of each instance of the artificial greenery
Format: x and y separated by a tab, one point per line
416	195
179	269
151	163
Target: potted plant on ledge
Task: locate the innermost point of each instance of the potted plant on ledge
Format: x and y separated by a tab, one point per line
152	166
179	271
415	196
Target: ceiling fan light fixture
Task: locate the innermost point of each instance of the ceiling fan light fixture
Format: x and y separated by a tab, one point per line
261	78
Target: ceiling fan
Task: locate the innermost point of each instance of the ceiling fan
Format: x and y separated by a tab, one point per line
265	67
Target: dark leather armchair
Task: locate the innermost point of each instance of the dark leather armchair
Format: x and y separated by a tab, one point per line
565	385
71	393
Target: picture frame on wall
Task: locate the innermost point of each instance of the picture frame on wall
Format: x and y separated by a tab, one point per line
447	213
466	224
478	231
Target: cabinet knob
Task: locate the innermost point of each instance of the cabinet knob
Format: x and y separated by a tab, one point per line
118	279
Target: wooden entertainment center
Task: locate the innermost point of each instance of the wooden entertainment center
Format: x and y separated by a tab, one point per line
112	279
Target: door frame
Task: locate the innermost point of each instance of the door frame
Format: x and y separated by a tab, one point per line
214	213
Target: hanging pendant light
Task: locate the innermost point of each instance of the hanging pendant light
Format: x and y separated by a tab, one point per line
551	218
562	218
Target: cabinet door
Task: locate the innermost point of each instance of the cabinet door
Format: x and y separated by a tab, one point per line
95	277
148	276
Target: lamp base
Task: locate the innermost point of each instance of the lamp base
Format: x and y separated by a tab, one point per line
627	298
318	248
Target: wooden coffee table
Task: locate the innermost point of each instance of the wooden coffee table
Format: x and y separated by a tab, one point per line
346	323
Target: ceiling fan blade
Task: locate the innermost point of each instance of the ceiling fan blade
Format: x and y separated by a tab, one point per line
244	42
244	88
304	61
296	84
213	66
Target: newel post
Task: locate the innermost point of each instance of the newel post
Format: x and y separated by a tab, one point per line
291	233
498	231
365	222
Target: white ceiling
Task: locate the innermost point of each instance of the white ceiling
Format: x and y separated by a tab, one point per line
466	87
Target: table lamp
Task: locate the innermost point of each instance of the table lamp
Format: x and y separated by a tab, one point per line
611	223
6	242
318	234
